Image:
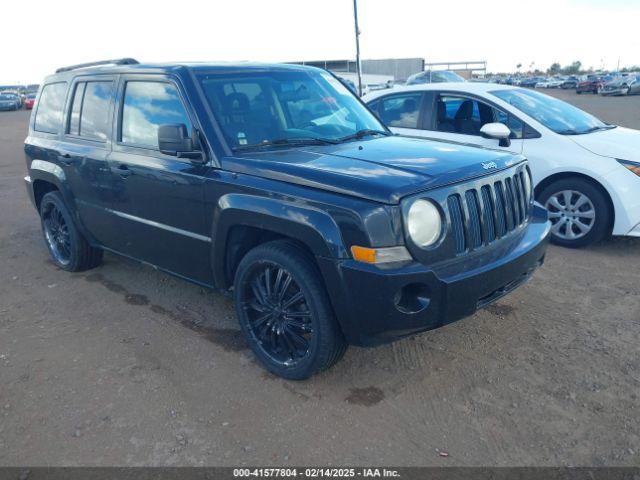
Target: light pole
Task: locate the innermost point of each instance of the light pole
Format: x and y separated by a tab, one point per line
358	66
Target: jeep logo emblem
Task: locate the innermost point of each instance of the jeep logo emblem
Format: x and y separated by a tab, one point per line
489	165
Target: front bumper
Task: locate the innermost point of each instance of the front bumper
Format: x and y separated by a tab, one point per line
635	231
617	91
623	187
376	305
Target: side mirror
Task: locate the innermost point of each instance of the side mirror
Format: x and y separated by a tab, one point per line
499	131
174	140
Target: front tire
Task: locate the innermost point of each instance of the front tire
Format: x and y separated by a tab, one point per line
578	210
285	313
68	248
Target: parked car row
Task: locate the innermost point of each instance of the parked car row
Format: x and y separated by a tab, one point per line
605	84
15	100
628	84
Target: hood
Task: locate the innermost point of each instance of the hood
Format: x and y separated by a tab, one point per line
382	169
619	142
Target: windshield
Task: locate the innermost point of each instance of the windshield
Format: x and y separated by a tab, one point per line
434	77
554	114
7	96
270	107
438	77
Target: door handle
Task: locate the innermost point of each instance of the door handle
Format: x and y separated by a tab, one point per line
65	158
123	170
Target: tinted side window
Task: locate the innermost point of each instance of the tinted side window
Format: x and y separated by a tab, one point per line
147	105
462	115
49	112
401	110
90	110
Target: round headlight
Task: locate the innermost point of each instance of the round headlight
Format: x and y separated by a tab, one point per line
424	223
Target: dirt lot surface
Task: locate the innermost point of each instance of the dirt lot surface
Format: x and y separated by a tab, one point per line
123	365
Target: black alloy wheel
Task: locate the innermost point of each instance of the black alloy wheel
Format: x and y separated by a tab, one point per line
68	247
278	315
56	233
284	311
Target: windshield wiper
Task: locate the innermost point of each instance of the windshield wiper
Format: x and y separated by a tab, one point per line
588	130
363	133
279	142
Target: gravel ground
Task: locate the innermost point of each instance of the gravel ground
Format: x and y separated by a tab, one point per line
124	365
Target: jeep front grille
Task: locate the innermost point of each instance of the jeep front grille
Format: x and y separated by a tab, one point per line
479	217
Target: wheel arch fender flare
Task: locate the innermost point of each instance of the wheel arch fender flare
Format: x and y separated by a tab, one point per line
311	226
49	172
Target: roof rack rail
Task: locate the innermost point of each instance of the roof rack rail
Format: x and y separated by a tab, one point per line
117	61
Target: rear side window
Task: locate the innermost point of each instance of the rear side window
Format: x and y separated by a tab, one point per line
90	110
49	112
401	110
147	105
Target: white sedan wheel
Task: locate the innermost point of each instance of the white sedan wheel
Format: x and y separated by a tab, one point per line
572	214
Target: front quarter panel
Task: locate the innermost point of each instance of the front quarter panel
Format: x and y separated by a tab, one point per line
554	154
327	223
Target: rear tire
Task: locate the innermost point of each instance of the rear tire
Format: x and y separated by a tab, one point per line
284	311
68	248
579	212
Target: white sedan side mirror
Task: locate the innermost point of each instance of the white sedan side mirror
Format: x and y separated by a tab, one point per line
499	131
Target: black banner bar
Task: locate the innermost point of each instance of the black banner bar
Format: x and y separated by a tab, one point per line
392	473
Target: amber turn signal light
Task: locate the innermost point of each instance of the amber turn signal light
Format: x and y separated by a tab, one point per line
380	255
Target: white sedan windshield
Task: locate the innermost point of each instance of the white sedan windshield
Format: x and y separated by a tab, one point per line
554	114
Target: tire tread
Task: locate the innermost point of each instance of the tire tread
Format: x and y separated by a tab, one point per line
85	257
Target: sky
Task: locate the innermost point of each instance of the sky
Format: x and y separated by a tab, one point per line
537	33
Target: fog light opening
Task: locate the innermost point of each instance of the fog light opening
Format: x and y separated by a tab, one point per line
413	298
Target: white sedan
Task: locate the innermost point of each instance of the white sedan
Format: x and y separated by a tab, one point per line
586	172
549	83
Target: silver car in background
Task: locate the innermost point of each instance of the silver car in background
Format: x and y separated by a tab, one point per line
9	101
628	85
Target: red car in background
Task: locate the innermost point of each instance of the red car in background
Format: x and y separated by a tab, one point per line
29	100
589	84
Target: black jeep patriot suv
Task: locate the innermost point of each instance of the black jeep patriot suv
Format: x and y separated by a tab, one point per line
274	183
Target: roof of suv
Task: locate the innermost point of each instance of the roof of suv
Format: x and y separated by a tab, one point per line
175	67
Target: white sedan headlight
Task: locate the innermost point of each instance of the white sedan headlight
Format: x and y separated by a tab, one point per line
424	223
